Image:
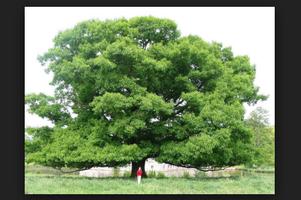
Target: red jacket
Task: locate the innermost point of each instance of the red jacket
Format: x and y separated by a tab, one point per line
139	172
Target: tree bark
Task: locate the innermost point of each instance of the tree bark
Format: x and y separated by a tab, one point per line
135	166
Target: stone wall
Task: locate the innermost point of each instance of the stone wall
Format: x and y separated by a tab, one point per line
150	165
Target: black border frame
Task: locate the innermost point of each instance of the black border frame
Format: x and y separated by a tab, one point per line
15	145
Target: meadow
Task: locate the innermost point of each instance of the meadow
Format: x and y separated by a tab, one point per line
51	182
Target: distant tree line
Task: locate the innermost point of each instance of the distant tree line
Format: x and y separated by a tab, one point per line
263	138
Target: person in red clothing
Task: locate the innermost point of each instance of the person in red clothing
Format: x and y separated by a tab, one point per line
139	174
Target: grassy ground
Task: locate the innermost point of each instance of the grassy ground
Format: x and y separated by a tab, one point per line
51	182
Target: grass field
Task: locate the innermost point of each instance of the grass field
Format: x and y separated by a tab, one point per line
53	183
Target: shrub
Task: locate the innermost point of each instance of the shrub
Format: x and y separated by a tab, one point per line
186	175
152	174
126	174
38	169
160	175
116	172
200	174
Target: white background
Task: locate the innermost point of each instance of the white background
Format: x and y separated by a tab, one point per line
248	30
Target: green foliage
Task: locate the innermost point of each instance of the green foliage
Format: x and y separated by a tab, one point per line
160	175
36	169
116	172
41	135
151	174
126	174
138	90
49	171
200	175
186	175
263	138
46	107
154	174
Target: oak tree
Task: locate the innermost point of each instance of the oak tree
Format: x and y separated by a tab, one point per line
131	89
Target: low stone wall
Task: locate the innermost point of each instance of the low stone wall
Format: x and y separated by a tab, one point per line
167	170
101	172
109	172
179	172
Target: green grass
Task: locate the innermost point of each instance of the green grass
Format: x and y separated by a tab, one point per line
249	183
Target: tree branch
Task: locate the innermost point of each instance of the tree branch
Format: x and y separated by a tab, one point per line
203	169
181	109
181	101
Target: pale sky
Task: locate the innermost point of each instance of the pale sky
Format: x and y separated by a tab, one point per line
248	30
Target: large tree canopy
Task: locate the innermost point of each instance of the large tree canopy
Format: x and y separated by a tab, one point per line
128	90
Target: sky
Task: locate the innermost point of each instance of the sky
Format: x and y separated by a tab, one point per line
247	30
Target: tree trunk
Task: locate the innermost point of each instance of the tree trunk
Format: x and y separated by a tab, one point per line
135	166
